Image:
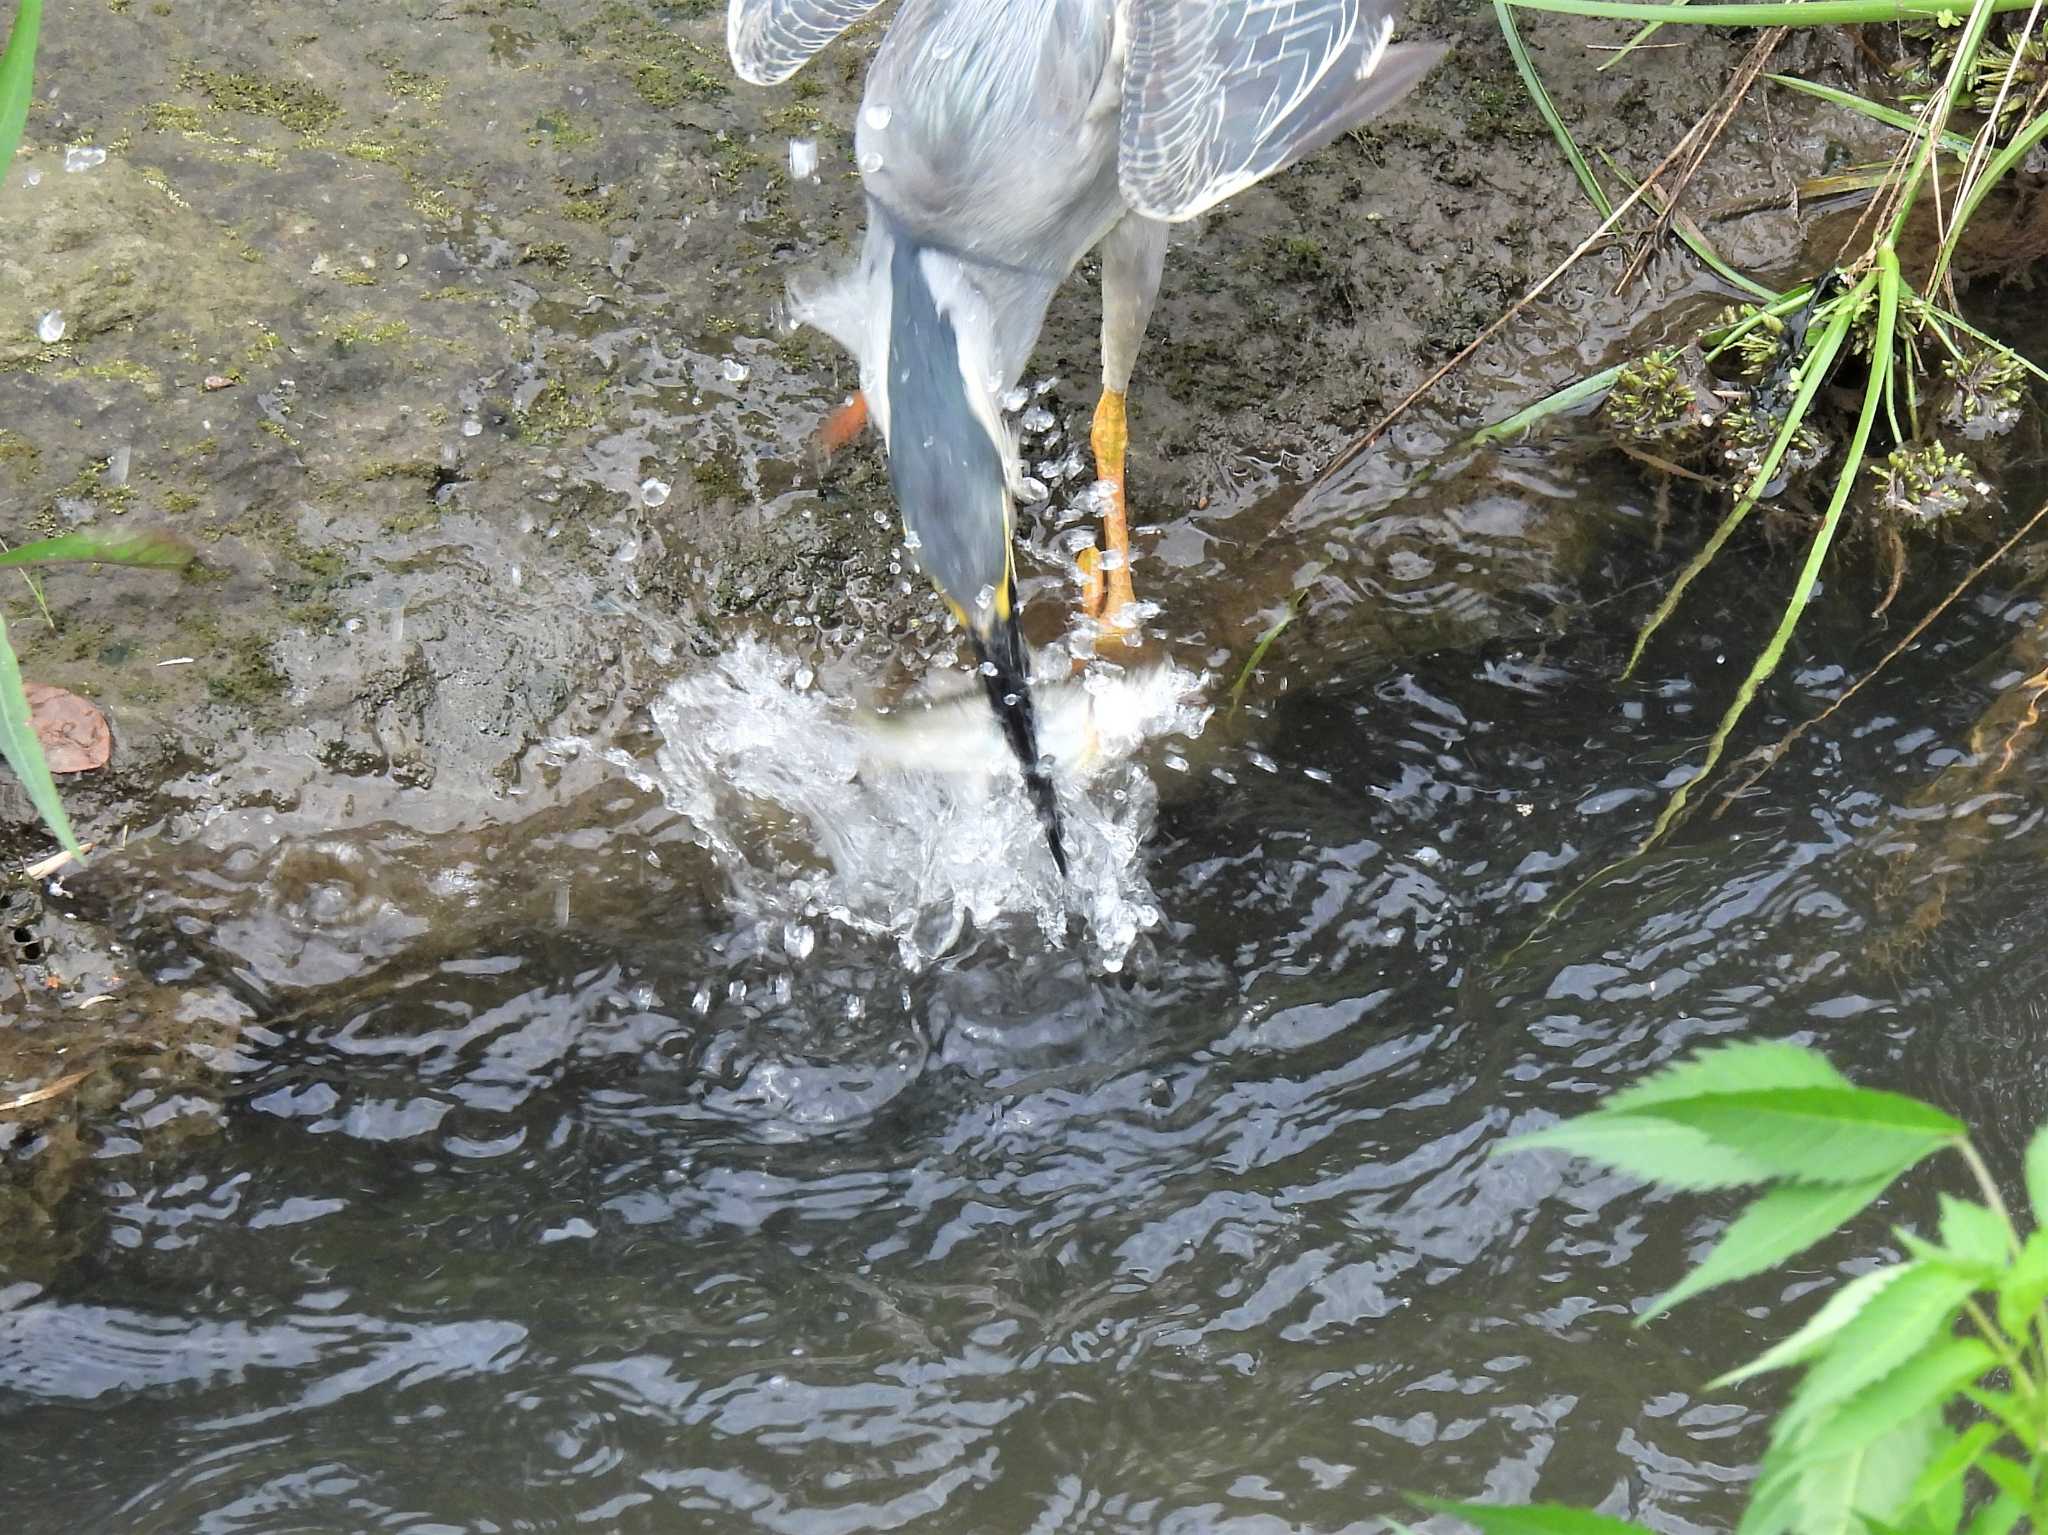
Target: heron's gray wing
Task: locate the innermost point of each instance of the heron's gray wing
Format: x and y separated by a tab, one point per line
770	40
1219	94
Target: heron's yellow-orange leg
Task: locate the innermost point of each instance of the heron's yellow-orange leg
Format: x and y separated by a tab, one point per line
843	425
1107	595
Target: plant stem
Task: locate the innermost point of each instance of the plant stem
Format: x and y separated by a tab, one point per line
2002	1346
1988	1187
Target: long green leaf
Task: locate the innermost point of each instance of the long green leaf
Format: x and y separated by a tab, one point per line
1786	13
1901	1319
1572	395
17	75
1654	1149
1785	1221
24	752
1819	1134
1648	31
1841	1309
1744	1067
1886	278
1533	83
161	550
1530	1518
1925	1380
2023	1287
1813	372
1953	1461
1876	111
1841	1496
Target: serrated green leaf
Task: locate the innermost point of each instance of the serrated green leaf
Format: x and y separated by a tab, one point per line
1984	1276
1841	1308
2037	1175
24	752
17	77
2023	1288
1654	1149
1785	1221
1952	1461
1747	1067
1973	1233
1530	1518
1923	1382
1902	1319
1837	1496
1816	1134
153	547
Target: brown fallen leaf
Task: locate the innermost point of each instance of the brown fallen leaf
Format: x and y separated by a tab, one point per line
74	734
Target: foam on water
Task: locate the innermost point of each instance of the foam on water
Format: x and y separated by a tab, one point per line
817	816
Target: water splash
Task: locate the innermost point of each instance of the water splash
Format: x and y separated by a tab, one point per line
819	813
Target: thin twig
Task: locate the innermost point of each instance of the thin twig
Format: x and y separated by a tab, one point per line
1776	753
1722	113
44	1094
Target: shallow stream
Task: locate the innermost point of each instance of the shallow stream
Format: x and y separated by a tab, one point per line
580	1174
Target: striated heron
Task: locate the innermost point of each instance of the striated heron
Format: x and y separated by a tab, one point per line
999	142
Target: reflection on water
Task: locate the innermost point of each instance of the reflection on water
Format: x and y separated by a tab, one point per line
559	1183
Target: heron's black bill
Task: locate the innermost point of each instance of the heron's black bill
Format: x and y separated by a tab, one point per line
1007	673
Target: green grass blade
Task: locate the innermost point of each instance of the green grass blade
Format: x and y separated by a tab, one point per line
17	75
1886	278
1784	13
155	549
1812	373
1637	41
1891	117
24	752
1572	395
1533	82
1264	643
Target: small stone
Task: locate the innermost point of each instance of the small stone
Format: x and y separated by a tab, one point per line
219	381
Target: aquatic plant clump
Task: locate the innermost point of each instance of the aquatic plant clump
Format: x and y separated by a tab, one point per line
1927	483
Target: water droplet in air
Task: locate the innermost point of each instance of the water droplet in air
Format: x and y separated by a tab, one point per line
654	492
803	159
83	157
1037	419
33	179
1031	491
471	427
877	117
911	539
1016	399
50	329
870	163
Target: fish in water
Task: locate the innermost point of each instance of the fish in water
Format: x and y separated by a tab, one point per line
999	142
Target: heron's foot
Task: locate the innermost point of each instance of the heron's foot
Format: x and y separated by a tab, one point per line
843	425
1107	597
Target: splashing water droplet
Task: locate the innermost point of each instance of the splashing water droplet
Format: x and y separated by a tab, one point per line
1035	420
83	157
471	427
870	162
734	371
654	492
877	117
1031	491
803	159
1016	400
50	329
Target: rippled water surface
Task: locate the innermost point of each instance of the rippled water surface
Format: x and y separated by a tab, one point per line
609	1171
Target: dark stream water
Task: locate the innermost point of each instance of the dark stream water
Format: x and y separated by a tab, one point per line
548	1192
